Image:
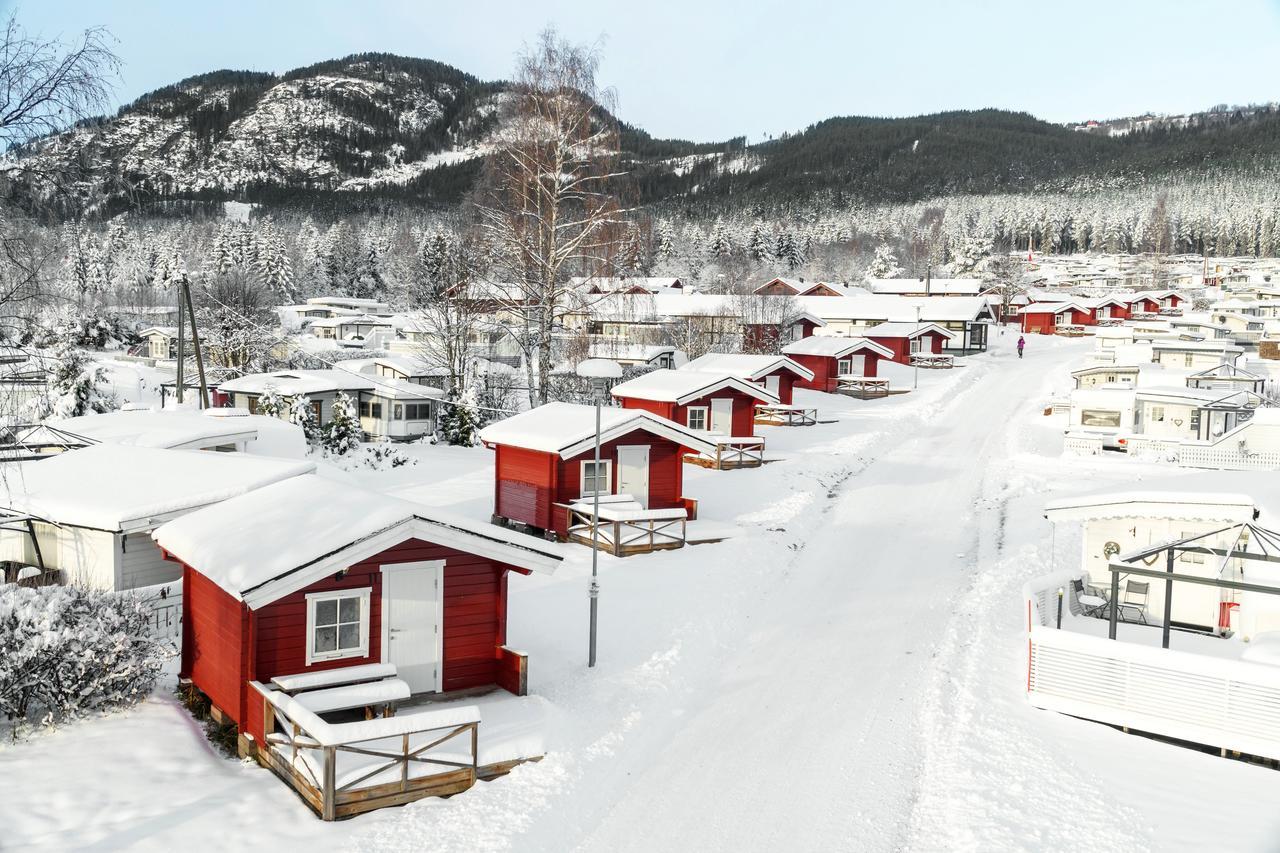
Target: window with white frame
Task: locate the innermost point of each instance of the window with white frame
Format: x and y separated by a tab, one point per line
1189	359
697	418
596	481
337	624
1190	556
915	344
844	367
1157	413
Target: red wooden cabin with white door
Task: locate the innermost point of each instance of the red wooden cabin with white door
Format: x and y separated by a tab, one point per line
904	340
1109	308
770	337
1155	301
724	405
311	575
777	374
544	460
829	357
1045	318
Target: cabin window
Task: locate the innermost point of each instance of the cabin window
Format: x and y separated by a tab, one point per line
697	417
1188	359
337	624
844	367
1157	413
1189	556
915	345
595	481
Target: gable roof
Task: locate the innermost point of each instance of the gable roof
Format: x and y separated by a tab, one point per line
568	429
746	366
681	386
907	330
294	532
1053	307
834	347
121	488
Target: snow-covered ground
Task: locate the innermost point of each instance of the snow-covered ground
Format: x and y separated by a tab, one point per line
844	673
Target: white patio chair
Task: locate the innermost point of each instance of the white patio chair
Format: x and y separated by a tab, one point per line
1090	604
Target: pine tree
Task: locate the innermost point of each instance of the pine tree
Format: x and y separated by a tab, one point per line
304	415
884	264
271	403
342	434
458	422
78	386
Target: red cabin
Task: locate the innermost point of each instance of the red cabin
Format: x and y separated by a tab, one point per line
1153	302
830	357
1045	318
546	457
311	574
777	374
701	401
905	339
770	337
1110	308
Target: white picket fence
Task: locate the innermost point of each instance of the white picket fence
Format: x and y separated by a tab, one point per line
1218	702
165	603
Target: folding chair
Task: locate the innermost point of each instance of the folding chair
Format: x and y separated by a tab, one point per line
1090	604
1135	599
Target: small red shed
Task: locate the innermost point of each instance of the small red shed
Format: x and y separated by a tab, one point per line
1045	318
829	357
546	456
1110	308
720	404
1154	301
311	574
905	339
777	374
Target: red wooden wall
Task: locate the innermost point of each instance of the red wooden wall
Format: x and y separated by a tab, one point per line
524	485
823	368
215	628
744	409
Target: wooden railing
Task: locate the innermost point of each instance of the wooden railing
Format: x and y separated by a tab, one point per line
731	452
655	530
307	750
780	414
933	361
862	386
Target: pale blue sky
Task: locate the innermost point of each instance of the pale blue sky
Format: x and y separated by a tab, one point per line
711	70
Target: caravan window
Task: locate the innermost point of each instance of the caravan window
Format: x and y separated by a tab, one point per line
1099	418
1157	413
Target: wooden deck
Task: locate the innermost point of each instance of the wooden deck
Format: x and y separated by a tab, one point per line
731	453
781	414
862	387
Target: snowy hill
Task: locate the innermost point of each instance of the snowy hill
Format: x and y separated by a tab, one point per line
375	126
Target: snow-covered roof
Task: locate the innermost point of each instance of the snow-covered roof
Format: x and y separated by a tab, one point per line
159	331
348	302
1216	496
119	487
934	309
746	366
569	429
1052	307
1197	346
292	383
937	286
907	330
630	352
297	530
681	386
187	429
834	347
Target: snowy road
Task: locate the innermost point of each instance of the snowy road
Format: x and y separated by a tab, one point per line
829	713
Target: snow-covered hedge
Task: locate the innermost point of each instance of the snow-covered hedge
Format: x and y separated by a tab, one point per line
68	651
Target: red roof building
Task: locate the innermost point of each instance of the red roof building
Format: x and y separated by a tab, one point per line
829	357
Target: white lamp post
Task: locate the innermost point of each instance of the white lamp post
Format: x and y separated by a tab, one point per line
599	371
915	377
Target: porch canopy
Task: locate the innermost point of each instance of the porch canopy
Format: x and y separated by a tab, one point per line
1248	542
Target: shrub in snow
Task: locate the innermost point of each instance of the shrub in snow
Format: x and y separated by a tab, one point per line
87	328
304	415
78	386
68	651
271	403
385	455
342	434
458	421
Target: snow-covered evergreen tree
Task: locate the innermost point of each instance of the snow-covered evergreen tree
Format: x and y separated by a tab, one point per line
303	413
342	434
271	403
78	386
884	264
458	421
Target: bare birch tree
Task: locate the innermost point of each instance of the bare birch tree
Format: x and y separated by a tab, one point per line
549	205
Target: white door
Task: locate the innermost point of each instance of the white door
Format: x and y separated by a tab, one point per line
722	415
771	384
411	615
633	473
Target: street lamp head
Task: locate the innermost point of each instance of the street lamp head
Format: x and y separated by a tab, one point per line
599	368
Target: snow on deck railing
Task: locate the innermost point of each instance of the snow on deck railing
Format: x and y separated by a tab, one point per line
1223	703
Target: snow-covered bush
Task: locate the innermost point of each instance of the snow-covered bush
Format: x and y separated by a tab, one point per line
458	421
78	386
271	403
88	328
304	415
68	651
385	455
342	434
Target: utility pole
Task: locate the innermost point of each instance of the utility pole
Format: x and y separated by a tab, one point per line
185	287
182	349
